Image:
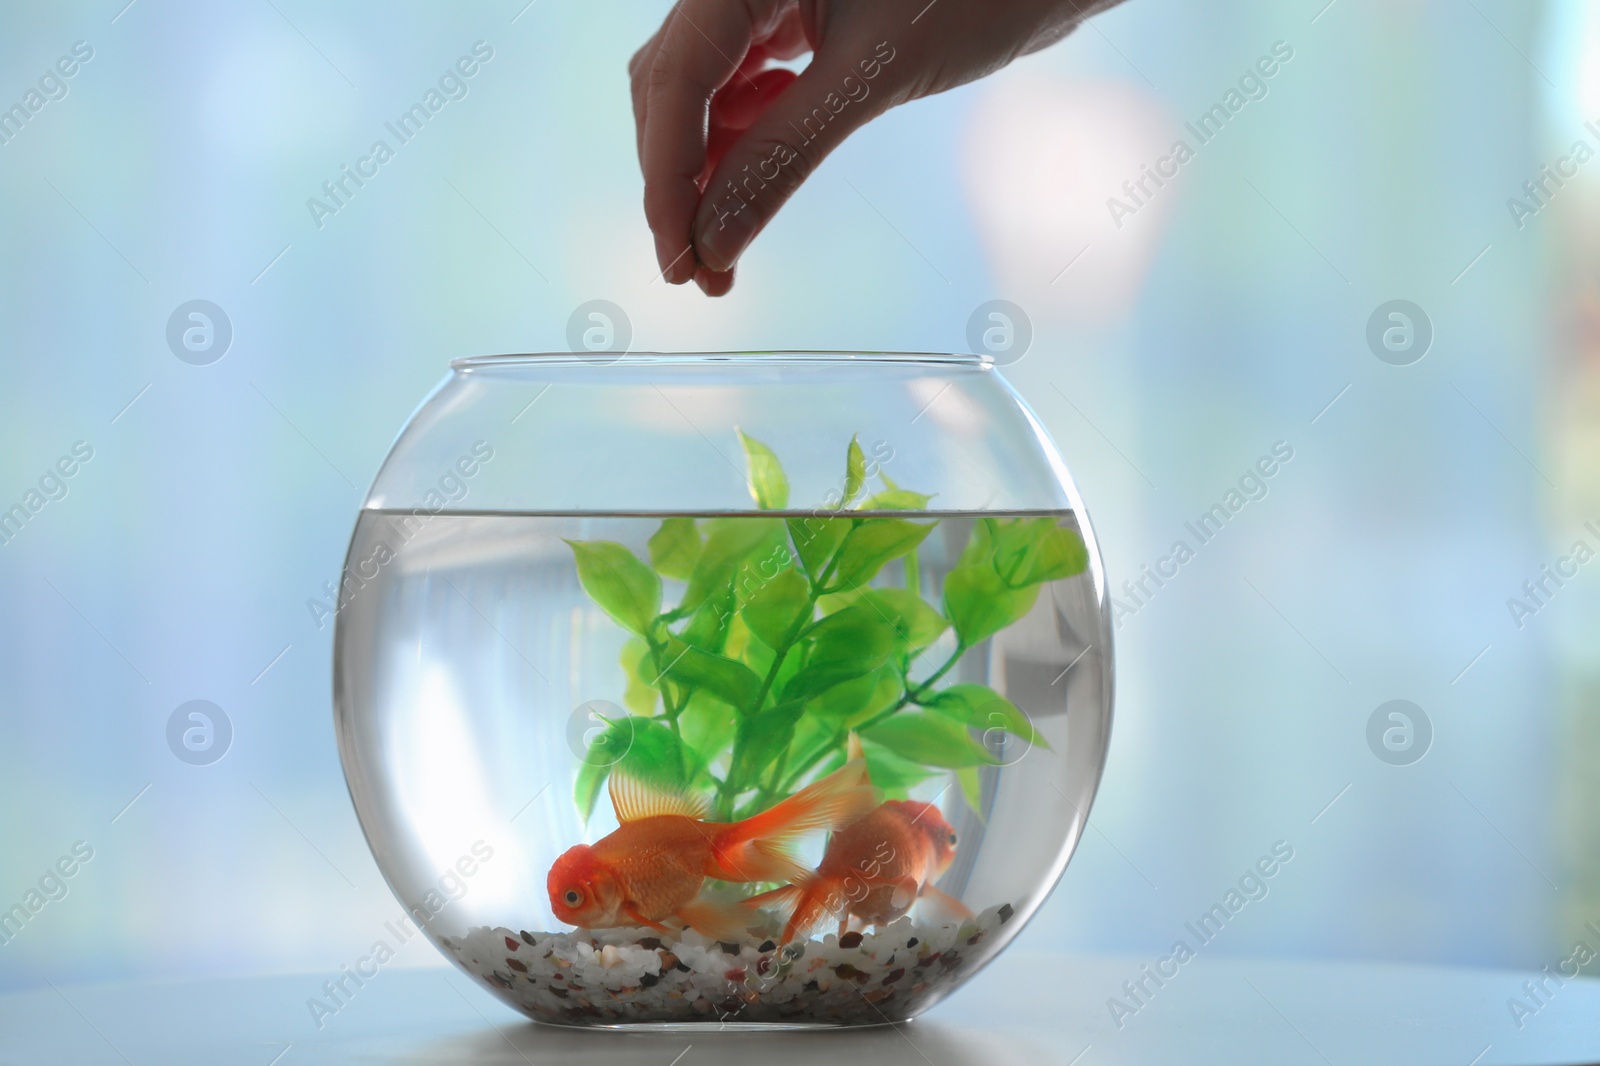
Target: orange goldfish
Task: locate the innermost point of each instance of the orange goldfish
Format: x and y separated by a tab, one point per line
873	869
654	865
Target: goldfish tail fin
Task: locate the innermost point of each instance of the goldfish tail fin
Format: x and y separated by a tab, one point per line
727	921
776	899
811	908
757	849
770	910
774	861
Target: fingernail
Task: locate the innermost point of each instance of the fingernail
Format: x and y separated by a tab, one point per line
722	240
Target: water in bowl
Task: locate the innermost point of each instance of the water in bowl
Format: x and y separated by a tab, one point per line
760	767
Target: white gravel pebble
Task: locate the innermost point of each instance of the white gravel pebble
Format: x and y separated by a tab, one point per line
619	976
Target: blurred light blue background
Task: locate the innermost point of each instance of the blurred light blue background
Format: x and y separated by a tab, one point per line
1227	314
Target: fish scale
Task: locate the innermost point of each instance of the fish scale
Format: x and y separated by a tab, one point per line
661	861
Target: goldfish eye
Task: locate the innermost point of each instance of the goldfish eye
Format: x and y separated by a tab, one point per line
572	897
952	840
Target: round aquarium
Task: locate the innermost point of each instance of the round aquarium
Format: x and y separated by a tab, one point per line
734	689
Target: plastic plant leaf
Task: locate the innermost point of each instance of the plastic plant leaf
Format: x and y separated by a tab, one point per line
707	724
930	739
892	773
761	737
640	695
895	500
777	608
728	543
708	625
675	548
770	558
842	646
812	734
856	634
1027	551
872	544
727	679
971	788
855	472
980	545
860	697
834	602
915	622
625	588
769	487
816	538
1061	553
643	747
980	604
591	779
1015	543
747	648
780	647
982	708
738	640
792	661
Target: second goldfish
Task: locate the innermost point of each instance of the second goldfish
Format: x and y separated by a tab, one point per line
873	870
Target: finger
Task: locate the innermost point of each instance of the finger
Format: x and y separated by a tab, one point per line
742	102
712	283
788	38
718	140
701	47
781	149
735	108
638	80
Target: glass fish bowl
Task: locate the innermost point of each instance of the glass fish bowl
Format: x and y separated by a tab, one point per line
765	689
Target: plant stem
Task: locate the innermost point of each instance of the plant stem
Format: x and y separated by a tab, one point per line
730	786
672	713
911	695
777	773
914	695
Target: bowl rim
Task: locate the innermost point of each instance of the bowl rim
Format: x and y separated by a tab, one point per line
754	357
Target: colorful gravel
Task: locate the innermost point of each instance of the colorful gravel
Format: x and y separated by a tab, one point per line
620	976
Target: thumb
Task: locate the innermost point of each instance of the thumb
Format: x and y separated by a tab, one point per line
843	88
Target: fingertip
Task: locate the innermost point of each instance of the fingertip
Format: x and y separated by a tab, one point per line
713	282
723	236
669	210
676	263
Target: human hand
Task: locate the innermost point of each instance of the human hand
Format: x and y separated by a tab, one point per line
724	141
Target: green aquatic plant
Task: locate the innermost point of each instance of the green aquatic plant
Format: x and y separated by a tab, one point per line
795	630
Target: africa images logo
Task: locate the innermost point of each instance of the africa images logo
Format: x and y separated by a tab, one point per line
452	85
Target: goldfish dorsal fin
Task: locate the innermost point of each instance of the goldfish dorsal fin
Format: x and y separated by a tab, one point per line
633	799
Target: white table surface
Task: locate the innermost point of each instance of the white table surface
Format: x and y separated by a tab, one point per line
1026	1008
